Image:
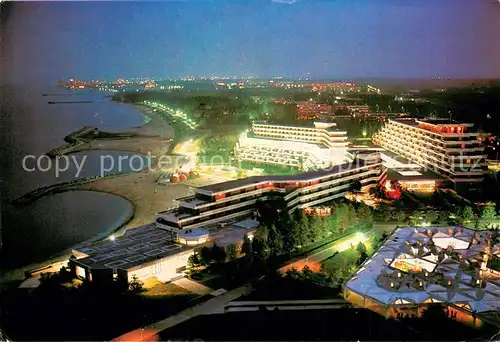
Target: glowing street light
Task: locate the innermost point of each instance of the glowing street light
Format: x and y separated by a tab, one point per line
112	238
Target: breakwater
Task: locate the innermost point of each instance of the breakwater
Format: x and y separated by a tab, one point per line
74	140
61	94
83	136
32	196
65	102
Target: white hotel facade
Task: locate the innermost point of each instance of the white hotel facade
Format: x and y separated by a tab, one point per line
305	147
446	147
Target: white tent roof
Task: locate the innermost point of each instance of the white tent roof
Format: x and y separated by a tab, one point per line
396	248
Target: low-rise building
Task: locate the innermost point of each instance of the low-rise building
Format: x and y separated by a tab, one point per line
148	251
143	252
415	267
227	201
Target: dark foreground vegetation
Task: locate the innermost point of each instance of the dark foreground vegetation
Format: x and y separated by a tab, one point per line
321	325
60	310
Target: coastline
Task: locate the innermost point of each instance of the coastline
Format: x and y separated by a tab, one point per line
55	261
129	186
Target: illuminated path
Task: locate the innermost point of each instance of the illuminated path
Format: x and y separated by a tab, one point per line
218	304
214	305
314	261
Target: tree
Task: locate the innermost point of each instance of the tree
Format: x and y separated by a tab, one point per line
488	215
206	255
275	240
416	218
431	217
218	254
355	187
365	217
299	229
260	248
375	242
262	233
246	248
307	272
194	261
362	257
317	228
232	252
342	218
361	248
293	273
467	215
399	216
135	285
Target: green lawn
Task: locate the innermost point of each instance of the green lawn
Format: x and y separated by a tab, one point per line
343	258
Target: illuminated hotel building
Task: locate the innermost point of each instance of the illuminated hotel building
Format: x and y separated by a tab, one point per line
305	147
224	202
447	147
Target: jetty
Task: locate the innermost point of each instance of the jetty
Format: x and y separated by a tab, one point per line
61	94
32	196
74	140
85	135
63	102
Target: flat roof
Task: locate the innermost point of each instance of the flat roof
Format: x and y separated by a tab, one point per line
412	174
290	144
193	232
305	176
443	122
247	224
136	247
303	124
414	121
388	276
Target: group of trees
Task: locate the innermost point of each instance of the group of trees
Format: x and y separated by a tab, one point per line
480	218
282	231
217	146
360	127
214	254
214	109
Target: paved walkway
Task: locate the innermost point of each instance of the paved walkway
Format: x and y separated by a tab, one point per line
212	306
314	261
193	286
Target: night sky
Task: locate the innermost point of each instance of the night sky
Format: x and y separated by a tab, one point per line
327	39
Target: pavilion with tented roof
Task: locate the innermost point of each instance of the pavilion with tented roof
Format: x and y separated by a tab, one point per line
415	267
